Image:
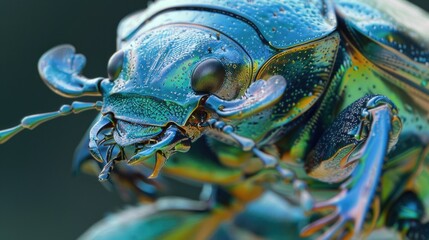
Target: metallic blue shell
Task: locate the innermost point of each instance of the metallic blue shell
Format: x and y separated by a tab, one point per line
281	24
398	25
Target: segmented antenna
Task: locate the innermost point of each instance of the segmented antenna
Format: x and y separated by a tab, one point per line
32	121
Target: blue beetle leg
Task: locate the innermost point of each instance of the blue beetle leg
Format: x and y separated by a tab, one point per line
305	199
103	123
245	143
359	192
207	193
301	189
269	161
32	121
249	145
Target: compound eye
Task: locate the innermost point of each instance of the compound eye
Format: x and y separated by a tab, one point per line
208	76
114	67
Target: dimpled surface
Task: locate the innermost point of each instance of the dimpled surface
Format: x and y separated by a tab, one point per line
154	87
237	30
146	110
130	133
282	24
307	69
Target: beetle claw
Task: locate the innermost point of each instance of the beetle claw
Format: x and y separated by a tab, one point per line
103	123
159	163
347	208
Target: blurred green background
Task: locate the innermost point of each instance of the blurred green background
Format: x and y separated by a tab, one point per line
39	197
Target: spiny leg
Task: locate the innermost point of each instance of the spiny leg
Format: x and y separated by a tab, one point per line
359	153
32	121
269	161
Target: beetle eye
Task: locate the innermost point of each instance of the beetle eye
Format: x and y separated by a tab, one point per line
114	67
208	76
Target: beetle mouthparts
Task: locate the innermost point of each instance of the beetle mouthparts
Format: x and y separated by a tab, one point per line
170	142
126	133
161	145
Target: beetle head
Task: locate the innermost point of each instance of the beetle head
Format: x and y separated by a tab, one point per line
160	78
157	84
162	88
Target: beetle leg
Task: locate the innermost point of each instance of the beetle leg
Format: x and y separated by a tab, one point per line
269	161
32	121
366	155
246	144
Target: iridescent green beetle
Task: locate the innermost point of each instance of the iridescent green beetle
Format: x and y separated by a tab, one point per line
241	97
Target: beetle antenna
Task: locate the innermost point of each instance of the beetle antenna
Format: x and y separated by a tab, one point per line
32	121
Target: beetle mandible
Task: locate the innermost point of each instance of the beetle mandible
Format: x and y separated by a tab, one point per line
269	89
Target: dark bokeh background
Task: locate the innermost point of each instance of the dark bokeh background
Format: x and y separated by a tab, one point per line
39	197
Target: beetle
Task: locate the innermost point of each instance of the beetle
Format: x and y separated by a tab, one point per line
259	92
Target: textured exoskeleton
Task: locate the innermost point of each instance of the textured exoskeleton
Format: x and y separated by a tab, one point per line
316	105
